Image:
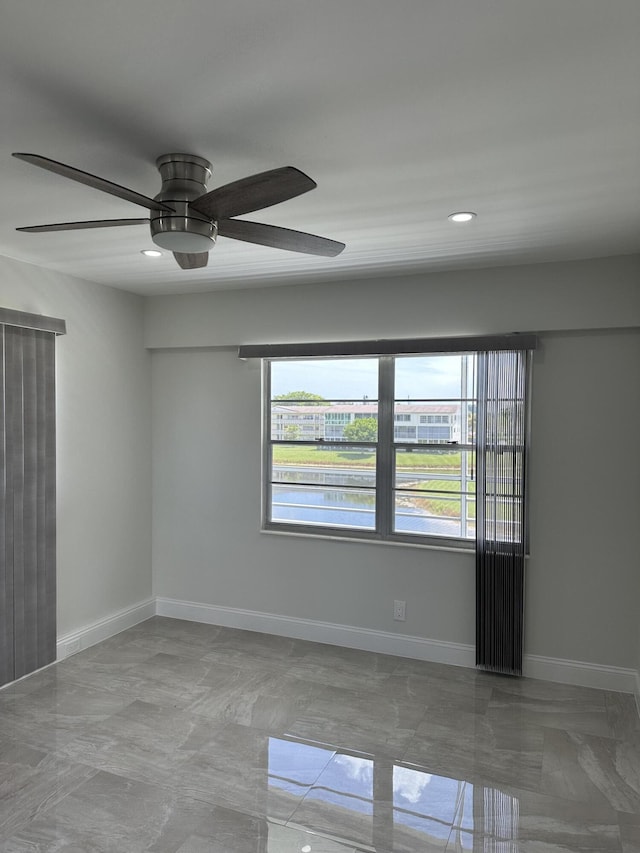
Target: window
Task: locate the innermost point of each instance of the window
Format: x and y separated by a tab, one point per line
370	470
395	454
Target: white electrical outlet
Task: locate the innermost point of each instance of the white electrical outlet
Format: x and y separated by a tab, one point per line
399	610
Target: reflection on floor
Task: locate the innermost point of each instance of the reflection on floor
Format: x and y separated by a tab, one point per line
178	737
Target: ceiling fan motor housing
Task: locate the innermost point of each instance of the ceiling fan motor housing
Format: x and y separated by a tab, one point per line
184	178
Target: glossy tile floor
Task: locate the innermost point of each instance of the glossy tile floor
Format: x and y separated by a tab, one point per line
178	737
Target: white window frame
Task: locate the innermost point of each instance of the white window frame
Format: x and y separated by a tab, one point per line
385	449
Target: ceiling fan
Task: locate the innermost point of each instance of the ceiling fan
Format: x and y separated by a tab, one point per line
186	219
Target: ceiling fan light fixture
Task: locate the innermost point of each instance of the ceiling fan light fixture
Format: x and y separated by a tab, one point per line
185	241
183	232
462	216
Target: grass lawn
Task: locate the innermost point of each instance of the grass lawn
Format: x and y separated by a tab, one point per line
288	455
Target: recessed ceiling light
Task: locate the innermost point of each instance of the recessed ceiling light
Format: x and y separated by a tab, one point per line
151	253
462	216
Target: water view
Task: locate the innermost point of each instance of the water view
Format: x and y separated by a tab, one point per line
355	509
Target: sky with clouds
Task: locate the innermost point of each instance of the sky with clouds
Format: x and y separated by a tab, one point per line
419	377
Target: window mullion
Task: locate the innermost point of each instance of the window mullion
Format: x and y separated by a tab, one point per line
385	458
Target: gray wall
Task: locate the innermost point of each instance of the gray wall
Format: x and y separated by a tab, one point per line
103	441
582	592
583	588
600	293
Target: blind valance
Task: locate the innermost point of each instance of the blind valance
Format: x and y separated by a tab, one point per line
483	343
38	322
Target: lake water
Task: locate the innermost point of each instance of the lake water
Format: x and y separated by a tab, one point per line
336	508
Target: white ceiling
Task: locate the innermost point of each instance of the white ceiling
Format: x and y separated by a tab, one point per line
526	111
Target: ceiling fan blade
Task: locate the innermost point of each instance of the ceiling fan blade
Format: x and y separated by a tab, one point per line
92	181
253	193
279	238
78	226
192	261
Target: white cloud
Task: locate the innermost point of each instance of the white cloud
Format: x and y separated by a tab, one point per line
410	784
360	769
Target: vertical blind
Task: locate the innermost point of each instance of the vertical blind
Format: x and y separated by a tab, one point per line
501	506
27	494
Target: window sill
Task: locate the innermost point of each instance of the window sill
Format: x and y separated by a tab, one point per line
364	540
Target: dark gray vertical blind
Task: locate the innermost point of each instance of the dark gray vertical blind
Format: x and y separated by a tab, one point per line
500	523
27	499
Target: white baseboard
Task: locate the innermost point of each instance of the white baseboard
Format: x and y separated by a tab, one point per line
102	629
580	673
437	651
366	639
